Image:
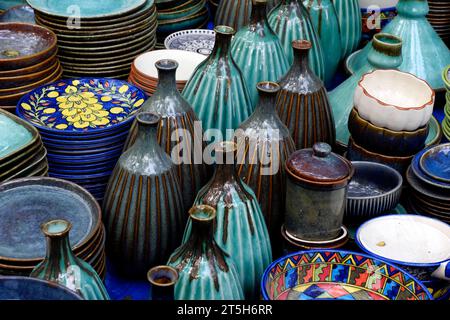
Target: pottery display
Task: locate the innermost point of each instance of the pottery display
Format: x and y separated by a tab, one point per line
446	122
263	146
290	21
376	14
143	207
193	40
324	18
22	13
217	90
317	187
177	118
435	162
338	275
62	266
439	18
206	272
240	228
349	17
257	51
162	283
302	103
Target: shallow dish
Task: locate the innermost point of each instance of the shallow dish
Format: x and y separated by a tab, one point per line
194	40
435	162
435	193
22	13
423	176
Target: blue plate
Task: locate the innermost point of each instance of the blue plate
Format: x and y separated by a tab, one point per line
85	137
422	175
83	162
64	143
435	162
83	178
18	14
88	166
84	158
82	147
89	152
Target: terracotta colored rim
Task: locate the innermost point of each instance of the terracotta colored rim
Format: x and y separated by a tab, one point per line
433	94
53	66
30	69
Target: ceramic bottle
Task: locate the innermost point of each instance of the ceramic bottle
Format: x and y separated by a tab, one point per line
303	104
206	272
349	17
143	210
290	20
257	51
63	267
217	91
162	281
177	131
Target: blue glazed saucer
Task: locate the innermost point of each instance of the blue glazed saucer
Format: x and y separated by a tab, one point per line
417	170
84	158
435	162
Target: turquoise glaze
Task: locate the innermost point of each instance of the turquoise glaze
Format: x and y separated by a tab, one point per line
349	16
257	51
424	53
325	21
205	271
13	135
63	267
217	91
290	21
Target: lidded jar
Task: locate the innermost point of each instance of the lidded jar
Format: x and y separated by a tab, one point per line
316	193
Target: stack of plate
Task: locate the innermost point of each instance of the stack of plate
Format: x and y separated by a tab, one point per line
446	122
105	39
29	202
27	60
84	124
22	153
176	15
439	17
145	75
429	178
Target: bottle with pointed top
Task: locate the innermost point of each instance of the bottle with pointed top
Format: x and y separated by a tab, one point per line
257	51
63	267
206	272
162	281
143	209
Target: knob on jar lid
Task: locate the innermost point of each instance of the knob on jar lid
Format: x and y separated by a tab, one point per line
319	166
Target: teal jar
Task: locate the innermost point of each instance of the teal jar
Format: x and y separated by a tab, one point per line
63	267
325	21
240	228
217	91
206	272
349	16
290	20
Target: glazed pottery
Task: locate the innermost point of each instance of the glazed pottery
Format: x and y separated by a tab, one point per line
15	135
217	91
302	102
143	210
206	272
194	40
290	21
257	51
424	53
18	14
439	18
376	14
349	17
264	144
24	288
62	266
162	283
325	21
446	122
316	191
394	100
240	227
338	275
374	189
437	178
435	162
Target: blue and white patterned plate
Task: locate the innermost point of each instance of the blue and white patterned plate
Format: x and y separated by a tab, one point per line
194	40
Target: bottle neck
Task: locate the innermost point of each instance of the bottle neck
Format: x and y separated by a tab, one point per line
258	15
301	61
267	102
221	46
146	135
58	248
413	8
167	80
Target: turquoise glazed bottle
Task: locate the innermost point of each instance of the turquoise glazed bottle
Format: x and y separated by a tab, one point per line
217	91
257	51
290	21
206	272
63	267
240	228
325	21
162	281
264	144
385	53
143	209
176	131
350	25
424	53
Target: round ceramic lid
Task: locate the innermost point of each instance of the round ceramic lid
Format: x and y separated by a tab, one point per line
319	165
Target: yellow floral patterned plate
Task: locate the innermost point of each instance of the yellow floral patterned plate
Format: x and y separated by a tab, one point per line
81	106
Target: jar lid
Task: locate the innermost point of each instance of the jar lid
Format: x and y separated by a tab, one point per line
318	165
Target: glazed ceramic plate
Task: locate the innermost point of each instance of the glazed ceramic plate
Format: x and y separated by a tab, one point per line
194	40
14	135
23	14
107	104
416	168
406	239
27	203
18	166
435	162
84	139
429	191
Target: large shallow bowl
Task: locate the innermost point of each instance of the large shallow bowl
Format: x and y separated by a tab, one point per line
338	275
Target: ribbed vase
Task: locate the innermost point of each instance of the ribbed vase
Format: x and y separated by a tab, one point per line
290	21
217	91
350	25
63	267
257	51
143	209
264	144
303	104
240	228
325	21
206	272
177	132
